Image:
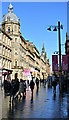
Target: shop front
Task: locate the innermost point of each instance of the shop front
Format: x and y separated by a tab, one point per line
6	75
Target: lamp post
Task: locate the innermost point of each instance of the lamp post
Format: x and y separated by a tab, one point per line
58	27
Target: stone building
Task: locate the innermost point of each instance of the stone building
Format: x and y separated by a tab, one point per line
48	66
11	26
32	59
43	64
5	56
67	53
26	59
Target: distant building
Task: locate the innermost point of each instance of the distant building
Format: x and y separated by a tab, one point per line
48	66
43	66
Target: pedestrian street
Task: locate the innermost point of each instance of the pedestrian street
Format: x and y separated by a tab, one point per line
45	104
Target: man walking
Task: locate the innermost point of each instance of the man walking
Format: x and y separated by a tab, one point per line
32	86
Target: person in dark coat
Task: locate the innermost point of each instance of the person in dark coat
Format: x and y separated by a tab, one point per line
54	85
25	86
37	83
32	86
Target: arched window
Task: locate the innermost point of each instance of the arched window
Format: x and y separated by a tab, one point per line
15	39
8	29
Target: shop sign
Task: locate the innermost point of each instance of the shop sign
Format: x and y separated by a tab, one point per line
26	72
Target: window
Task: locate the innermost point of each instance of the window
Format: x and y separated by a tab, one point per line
10	65
8	41
8	18
6	52
15	39
0	36
8	29
0	49
3	50
16	52
10	54
3	62
15	27
6	64
16	63
3	38
0	61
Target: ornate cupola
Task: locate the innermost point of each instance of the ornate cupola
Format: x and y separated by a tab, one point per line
10	22
10	15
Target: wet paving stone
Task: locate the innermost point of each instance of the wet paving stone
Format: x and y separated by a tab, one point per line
45	104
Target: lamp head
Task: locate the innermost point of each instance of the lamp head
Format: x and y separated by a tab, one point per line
61	26
49	29
55	29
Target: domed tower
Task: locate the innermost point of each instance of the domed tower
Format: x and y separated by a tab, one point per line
11	25
10	22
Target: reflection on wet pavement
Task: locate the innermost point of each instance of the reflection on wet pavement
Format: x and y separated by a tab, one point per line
45	104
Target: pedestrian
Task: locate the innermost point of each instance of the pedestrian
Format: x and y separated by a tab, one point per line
32	86
44	83
21	88
37	83
25	86
17	84
54	85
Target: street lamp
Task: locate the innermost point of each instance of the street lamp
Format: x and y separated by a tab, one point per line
55	29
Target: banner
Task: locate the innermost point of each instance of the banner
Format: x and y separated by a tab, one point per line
54	62
64	62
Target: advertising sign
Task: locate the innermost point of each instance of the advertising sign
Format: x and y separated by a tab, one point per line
54	62
26	72
64	62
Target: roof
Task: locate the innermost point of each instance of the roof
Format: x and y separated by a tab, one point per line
10	15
